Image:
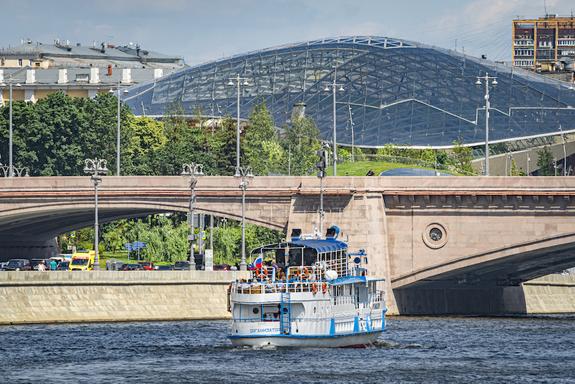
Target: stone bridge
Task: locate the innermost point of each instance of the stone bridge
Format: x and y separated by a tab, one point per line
445	244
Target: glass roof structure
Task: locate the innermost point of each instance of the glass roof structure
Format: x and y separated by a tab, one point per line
394	91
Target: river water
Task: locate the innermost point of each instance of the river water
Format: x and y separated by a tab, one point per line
412	350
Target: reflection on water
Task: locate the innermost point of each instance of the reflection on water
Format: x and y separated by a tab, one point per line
459	350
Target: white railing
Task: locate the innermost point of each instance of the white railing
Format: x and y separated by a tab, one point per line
255	288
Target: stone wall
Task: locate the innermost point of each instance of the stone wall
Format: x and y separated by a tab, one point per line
550	294
55	297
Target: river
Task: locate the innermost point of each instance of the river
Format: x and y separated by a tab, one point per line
412	350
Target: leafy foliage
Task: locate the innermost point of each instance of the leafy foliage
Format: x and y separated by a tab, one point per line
545	162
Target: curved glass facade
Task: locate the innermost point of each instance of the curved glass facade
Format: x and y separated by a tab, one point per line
394	91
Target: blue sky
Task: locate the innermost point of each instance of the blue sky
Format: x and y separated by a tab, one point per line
201	31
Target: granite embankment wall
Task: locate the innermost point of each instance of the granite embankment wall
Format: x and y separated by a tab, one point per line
57	297
548	294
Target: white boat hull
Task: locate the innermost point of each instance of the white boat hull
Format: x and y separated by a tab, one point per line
352	340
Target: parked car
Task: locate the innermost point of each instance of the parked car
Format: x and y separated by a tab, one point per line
147	265
114	265
35	262
132	267
182	266
163	268
63	266
2	265
18	265
222	267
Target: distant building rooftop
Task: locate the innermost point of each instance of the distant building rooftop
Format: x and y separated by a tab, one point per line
66	54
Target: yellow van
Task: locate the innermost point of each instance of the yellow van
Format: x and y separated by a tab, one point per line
83	261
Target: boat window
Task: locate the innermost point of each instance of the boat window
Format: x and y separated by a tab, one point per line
295	256
256	310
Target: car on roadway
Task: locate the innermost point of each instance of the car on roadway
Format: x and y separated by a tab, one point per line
163	268
63	266
147	265
182	266
222	267
18	265
132	267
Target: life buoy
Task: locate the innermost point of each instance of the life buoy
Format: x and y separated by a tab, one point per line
314	288
324	287
261	273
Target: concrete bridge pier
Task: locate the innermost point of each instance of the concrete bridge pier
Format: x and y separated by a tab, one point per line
361	217
461	301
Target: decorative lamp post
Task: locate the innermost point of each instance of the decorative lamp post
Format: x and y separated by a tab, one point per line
16	172
321	165
11	129
193	171
487	80
564	152
334	87
96	168
118	123
245	175
238	82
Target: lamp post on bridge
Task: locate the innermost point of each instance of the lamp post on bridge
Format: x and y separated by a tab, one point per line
321	165
193	171
96	168
239	82
487	80
11	130
564	152
245	175
16	172
334	86
118	122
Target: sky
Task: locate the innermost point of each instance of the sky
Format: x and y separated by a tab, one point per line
205	30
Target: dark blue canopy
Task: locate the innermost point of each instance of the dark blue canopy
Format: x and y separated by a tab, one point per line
329	245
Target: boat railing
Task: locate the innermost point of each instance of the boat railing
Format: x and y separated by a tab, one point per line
255	287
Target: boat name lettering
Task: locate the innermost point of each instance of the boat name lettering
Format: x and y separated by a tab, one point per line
264	330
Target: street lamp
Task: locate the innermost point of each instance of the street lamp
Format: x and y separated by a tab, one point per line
321	165
245	175
334	86
528	162
96	168
192	170
18	172
10	135
509	160
487	80
117	92
238	82
564	152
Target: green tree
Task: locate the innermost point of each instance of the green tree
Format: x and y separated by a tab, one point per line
545	162
460	158
144	139
261	147
301	140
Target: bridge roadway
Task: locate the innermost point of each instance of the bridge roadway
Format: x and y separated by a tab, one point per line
445	244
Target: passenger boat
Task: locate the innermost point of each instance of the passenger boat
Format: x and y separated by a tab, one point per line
307	292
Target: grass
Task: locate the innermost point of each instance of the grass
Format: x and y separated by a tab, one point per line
123	257
360	168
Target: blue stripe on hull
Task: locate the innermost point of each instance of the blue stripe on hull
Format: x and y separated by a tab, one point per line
303	336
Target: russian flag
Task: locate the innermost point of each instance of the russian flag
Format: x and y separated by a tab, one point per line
258	262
